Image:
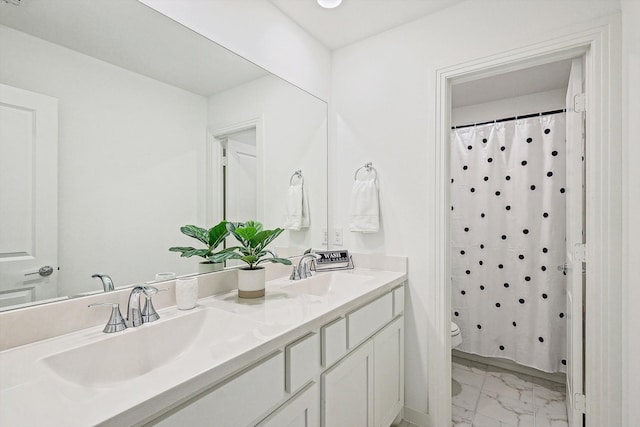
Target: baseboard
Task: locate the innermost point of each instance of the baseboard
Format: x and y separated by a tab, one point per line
558	377
415	417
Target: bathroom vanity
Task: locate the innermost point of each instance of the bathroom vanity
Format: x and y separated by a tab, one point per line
327	350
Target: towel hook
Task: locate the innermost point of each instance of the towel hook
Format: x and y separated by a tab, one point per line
296	174
369	167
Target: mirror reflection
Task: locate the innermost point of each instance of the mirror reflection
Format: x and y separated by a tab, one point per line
118	126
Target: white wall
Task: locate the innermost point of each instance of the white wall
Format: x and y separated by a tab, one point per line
129	153
631	215
294	137
259	32
383	110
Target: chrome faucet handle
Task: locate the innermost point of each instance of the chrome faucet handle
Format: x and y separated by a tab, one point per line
149	313
295	274
150	291
116	322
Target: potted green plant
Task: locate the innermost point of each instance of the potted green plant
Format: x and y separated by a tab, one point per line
252	250
212	238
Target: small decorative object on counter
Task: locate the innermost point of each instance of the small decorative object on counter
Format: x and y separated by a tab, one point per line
333	260
212	238
254	241
166	275
186	293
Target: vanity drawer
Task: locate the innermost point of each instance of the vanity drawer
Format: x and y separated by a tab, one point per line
302	361
363	322
398	300
237	402
334	341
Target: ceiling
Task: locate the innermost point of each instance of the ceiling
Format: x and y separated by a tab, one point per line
355	20
541	78
133	36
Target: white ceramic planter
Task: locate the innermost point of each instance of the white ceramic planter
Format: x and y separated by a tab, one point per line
251	282
210	267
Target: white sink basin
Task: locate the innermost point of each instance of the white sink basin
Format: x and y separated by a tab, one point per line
123	356
326	283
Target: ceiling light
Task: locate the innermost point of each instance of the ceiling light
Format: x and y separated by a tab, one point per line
329	4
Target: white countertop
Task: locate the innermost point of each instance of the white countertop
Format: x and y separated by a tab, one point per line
220	336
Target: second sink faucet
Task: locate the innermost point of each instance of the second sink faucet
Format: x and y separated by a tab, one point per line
303	271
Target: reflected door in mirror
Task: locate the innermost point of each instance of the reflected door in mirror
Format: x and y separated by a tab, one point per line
28	196
240	177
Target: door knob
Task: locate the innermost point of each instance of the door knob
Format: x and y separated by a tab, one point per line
563	268
43	271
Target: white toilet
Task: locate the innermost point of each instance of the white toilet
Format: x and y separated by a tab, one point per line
456	337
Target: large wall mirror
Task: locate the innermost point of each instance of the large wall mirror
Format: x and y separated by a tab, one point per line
118	126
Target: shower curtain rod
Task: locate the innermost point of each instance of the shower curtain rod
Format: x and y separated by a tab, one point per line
507	119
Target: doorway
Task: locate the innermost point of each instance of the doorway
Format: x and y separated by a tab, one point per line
603	201
516	215
234	166
239	175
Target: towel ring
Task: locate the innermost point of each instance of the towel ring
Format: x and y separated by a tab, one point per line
369	167
297	174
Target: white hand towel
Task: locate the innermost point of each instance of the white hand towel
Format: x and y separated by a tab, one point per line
304	223
297	214
365	215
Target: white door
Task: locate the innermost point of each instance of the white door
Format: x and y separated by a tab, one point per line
240	202
28	196
575	243
240	182
347	391
388	368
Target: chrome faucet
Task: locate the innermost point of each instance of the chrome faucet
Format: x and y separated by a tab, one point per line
107	283
134	311
303	271
135	316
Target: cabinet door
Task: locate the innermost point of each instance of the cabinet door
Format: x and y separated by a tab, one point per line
301	411
237	402
388	352
347	391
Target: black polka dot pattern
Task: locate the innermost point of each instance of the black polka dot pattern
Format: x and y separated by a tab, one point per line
508	194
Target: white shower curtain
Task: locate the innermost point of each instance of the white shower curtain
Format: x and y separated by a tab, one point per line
508	237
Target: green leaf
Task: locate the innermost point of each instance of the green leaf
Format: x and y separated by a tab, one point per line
223	256
232	227
254	224
246	234
196	232
217	234
197	252
250	259
284	261
268	236
181	249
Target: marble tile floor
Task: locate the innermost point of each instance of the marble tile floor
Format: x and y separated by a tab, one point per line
485	396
